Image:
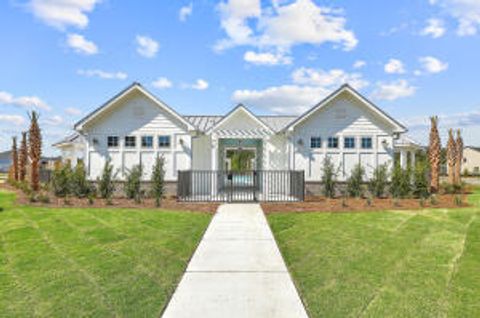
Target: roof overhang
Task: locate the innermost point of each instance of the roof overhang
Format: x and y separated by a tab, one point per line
135	87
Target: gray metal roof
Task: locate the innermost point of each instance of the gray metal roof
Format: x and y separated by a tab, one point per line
204	123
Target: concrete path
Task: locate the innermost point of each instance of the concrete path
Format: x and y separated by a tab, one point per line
236	271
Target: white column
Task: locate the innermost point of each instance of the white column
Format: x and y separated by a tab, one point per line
403	159
412	159
214	159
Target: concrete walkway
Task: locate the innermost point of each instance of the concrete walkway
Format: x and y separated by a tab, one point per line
236	271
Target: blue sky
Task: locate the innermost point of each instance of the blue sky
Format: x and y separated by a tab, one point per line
412	58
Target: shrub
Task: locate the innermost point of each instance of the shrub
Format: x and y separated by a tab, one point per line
80	186
379	181
33	197
61	180
91	198
421	202
106	185
158	180
400	186
329	177
354	183
369	200
433	199
420	184
133	183
458	200
44	198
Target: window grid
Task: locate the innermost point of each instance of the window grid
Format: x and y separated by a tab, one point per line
130	141
349	143
315	142
366	142
147	141
112	141
163	141
332	142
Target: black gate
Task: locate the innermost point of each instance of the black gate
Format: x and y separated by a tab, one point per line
243	186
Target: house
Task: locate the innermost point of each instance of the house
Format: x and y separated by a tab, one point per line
134	127
5	161
471	160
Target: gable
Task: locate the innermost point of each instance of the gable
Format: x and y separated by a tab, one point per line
240	119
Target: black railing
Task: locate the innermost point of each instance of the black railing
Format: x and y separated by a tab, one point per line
244	186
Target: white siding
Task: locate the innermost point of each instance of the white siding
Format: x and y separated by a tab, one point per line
202	151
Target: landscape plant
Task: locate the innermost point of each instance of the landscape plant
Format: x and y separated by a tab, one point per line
106	184
434	155
379	181
14	158
400	186
23	158
61	180
80	186
133	183
329	176
354	182
451	157
158	180
459	158
35	150
420	181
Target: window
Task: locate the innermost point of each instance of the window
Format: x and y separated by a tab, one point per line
349	142
315	142
112	141
366	142
147	141
164	141
130	141
332	142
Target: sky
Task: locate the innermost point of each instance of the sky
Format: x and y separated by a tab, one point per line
414	59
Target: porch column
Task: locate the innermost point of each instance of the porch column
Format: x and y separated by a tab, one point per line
403	159
412	159
214	159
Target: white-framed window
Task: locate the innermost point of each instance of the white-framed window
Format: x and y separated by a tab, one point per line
164	141
315	142
147	141
367	143
130	141
112	141
332	142
349	142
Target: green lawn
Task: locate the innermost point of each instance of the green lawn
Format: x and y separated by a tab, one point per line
384	264
92	262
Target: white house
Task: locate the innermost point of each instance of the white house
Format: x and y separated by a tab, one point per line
134	127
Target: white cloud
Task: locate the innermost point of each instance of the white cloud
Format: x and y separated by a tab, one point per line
146	46
431	64
27	102
185	12
394	66
359	64
73	111
63	13
200	85
393	90
81	45
13	119
266	58
162	82
282	25
54	120
103	74
434	28
466	12
327	79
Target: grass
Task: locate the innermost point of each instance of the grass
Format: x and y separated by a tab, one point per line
92	262
385	264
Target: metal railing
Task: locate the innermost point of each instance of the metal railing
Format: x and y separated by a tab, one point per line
241	186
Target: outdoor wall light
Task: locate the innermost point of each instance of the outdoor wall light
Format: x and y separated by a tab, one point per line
95	141
181	141
384	143
300	142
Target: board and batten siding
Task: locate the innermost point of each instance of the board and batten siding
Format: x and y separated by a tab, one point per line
343	117
136	115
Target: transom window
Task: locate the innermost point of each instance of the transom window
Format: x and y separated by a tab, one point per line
349	142
163	141
315	142
130	141
147	141
366	142
332	142
112	141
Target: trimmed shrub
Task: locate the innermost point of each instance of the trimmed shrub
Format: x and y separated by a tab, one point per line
106	185
133	183
379	181
158	180
354	183
80	186
420	184
329	177
60	182
400	186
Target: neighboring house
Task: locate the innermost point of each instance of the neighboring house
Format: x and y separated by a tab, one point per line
5	161
48	163
72	148
134	127
471	160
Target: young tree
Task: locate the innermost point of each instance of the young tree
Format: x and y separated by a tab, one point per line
434	155
420	184
15	158
61	180
451	157
379	181
158	180
133	183
329	176
354	183
106	185
400	186
79	184
458	164
23	157
35	153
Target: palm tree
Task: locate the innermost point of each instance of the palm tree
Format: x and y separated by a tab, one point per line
35	145
434	155
458	166
451	157
23	157
15	158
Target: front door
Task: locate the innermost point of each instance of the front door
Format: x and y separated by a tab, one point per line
240	165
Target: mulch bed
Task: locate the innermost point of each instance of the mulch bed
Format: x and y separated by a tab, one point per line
322	204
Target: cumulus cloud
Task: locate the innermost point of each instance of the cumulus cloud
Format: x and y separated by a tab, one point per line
28	102
283	25
394	66
359	64
146	46
73	111
185	12
434	28
103	74
81	45
200	85
54	120
12	119
431	64
63	13
162	83
393	90
330	79
466	12
268	59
